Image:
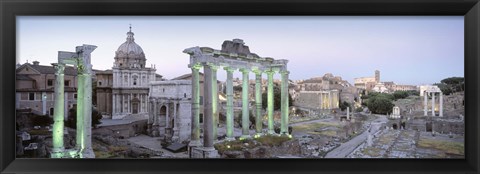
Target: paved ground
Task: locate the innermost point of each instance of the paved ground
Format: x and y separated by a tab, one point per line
110	122
153	143
348	147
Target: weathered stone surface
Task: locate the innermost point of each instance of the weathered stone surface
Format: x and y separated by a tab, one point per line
235	46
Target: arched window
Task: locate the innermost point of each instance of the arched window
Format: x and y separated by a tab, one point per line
134	81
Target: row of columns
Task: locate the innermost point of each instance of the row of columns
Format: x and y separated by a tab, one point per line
328	100
425	104
118	105
142	79
83	146
211	103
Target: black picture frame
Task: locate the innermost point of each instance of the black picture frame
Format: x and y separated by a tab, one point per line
9	9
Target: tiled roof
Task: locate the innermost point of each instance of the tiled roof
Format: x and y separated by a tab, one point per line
43	69
50	70
23	77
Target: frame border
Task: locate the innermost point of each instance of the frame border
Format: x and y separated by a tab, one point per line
9	9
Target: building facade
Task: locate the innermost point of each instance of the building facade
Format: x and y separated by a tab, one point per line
170	110
35	88
131	79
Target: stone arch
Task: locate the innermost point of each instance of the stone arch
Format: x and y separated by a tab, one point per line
162	115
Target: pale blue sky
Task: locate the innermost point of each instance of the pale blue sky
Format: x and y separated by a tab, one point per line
407	50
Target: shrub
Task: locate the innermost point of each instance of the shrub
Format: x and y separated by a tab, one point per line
42	120
72	118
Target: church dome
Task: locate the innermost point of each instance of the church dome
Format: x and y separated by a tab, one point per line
129	54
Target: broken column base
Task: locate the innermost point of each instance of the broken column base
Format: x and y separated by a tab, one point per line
58	153
204	152
87	153
193	144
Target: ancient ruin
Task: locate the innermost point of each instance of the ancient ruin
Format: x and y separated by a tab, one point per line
81	59
234	55
170	110
432	90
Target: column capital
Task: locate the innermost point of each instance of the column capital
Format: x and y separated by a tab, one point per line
59	68
269	71
195	66
257	71
244	70
229	69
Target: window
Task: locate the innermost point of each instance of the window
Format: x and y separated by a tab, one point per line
163	89
184	95
99	83
135	81
67	82
31	96
201	100
50	82
51	111
75	96
201	118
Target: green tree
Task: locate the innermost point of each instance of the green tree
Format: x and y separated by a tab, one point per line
451	85
277	99
400	94
343	105
380	104
72	117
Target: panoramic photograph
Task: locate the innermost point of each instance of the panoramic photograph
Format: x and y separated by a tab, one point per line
240	87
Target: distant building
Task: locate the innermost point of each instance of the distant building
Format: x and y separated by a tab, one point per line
374	84
367	83
34	88
104	84
131	80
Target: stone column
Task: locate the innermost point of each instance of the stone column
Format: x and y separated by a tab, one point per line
58	117
175	120
195	136
128	103
155	119
208	108
441	105
433	103
348	113
140	108
84	113
284	103
270	101
44	103
321	101
258	101
229	103
215	102
425	103
245	102
329	101
114	103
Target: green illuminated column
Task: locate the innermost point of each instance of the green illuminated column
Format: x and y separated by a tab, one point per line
208	111
195	106
84	112
58	118
270	102
88	151
80	109
284	103
245	116
229	103
258	101
215	101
